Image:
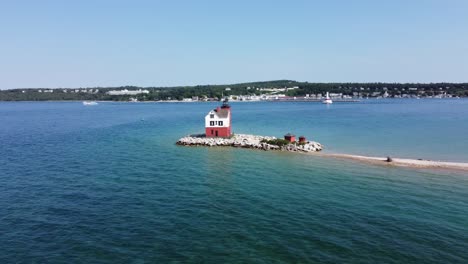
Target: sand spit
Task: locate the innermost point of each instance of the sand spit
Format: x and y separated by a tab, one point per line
413	163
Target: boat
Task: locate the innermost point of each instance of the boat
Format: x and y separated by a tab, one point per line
89	103
327	100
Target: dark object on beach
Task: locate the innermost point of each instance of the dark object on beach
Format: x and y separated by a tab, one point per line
389	159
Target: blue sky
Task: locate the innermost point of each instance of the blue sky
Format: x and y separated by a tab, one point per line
165	43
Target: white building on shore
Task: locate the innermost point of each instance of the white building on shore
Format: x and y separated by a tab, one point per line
127	92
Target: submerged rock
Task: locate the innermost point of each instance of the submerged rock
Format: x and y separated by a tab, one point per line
248	141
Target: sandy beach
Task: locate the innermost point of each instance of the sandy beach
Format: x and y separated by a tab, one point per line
413	163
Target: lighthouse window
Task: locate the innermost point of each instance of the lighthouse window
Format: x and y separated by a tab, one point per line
220	123
212	123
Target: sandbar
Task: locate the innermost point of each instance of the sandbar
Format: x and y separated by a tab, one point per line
413	163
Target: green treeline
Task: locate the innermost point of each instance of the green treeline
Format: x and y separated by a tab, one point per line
215	92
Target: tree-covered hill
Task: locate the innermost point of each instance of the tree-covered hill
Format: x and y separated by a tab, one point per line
253	88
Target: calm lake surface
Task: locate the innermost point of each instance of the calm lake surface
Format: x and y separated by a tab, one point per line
107	184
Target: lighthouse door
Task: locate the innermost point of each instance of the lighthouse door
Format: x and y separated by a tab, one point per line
216	132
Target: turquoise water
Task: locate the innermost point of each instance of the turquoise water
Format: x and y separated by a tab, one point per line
106	184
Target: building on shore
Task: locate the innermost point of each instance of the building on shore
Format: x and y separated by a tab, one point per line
290	137
218	121
302	139
127	92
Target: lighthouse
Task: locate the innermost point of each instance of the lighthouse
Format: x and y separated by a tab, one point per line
218	121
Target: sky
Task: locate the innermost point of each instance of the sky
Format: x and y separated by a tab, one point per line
91	43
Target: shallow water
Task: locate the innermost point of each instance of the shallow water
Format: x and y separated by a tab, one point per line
106	184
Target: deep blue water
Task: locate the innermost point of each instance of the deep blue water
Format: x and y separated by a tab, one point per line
107	184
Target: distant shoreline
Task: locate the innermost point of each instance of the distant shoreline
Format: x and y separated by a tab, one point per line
233	101
274	89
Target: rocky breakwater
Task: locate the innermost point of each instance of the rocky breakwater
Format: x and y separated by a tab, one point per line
250	141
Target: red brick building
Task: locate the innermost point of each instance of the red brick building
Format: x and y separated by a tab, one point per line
290	137
302	139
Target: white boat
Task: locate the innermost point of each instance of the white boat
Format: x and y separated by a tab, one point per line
89	103
327	100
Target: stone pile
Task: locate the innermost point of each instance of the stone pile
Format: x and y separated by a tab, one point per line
247	141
